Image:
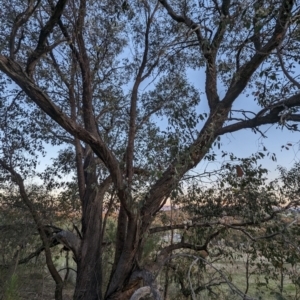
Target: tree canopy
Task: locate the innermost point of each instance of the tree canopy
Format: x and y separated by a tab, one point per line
108	82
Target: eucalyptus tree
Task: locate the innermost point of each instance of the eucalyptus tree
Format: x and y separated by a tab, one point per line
101	73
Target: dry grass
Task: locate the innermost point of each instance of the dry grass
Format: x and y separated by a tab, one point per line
31	281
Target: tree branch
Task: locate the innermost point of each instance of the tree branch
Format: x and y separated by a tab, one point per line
70	241
285	72
243	75
134	97
45	32
16	178
15	72
234	289
21	19
209	49
274	116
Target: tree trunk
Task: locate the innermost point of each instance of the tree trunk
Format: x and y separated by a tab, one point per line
119	285
89	265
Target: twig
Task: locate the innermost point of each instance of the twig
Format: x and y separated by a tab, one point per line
189	278
234	289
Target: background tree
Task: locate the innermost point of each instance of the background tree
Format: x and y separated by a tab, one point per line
100	74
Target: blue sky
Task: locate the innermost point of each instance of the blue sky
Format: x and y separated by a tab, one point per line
245	142
242	143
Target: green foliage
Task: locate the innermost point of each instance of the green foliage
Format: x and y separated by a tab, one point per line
11	289
257	240
109	85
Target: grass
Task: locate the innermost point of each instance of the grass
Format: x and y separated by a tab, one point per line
31	281
259	288
11	291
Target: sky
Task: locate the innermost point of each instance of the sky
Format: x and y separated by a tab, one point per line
242	143
245	142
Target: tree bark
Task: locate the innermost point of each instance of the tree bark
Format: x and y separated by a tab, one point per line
89	264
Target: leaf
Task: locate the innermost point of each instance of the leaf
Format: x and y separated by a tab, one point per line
239	171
